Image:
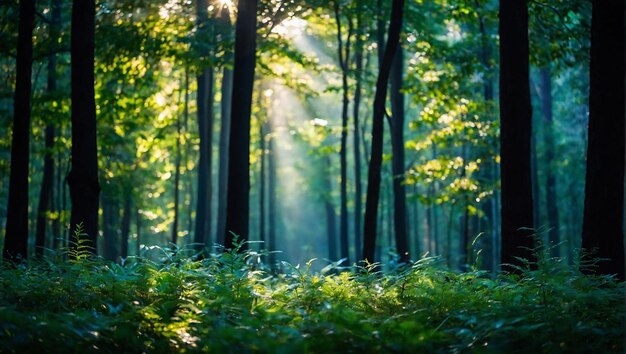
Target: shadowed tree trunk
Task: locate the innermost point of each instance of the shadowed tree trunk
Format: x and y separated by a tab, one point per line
205	97
551	201
374	172
47	182
604	188
331	216
238	203
83	176
397	144
177	171
16	237
271	195
358	189
343	56
227	97
262	133
515	134
125	229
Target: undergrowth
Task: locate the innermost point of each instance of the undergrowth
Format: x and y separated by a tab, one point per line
228	302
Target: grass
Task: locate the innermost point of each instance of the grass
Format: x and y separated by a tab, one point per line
229	303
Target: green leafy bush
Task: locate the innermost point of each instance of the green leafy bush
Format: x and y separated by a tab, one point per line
229	303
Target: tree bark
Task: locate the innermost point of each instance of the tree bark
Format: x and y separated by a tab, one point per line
238	203
398	165
177	174
271	196
16	237
358	189
551	197
227	97
205	82
604	187
374	172
47	182
343	56
331	216
515	134
125	229
83	176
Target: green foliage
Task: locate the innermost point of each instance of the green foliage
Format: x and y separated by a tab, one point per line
226	303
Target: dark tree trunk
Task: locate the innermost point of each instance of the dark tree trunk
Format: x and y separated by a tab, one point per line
262	183
83	176
205	98
373	185
110	211
343	55
125	229
226	103
16	237
271	196
47	182
397	162
358	189
177	177
551	201
238	203
138	239
515	134
604	188
331	216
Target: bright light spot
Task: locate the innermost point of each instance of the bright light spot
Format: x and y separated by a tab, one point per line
227	3
268	93
160	99
319	122
292	27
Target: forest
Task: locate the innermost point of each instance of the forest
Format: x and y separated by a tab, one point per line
308	176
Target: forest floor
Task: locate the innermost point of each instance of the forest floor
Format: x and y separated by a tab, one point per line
227	303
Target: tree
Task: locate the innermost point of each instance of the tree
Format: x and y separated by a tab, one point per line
227	97
374	171
16	238
83	176
515	133
238	203
604	189
551	196
47	183
396	123
343	56
358	72
205	82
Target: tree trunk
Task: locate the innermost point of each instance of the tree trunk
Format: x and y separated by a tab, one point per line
373	185
551	197
331	216
138	239
515	134
177	178
262	215
125	229
271	195
343	56
47	182
110	208
238	203
604	188
16	237
83	176
358	189
397	162
205	97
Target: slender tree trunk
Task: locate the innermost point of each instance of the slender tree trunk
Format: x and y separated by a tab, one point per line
343	55
226	103
271	195
534	175
125	229
109	208
238	203
604	188
177	180
138	239
205	97
16	237
358	189
262	183
551	197
373	185
331	216
47	183
397	162
515	134
83	176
